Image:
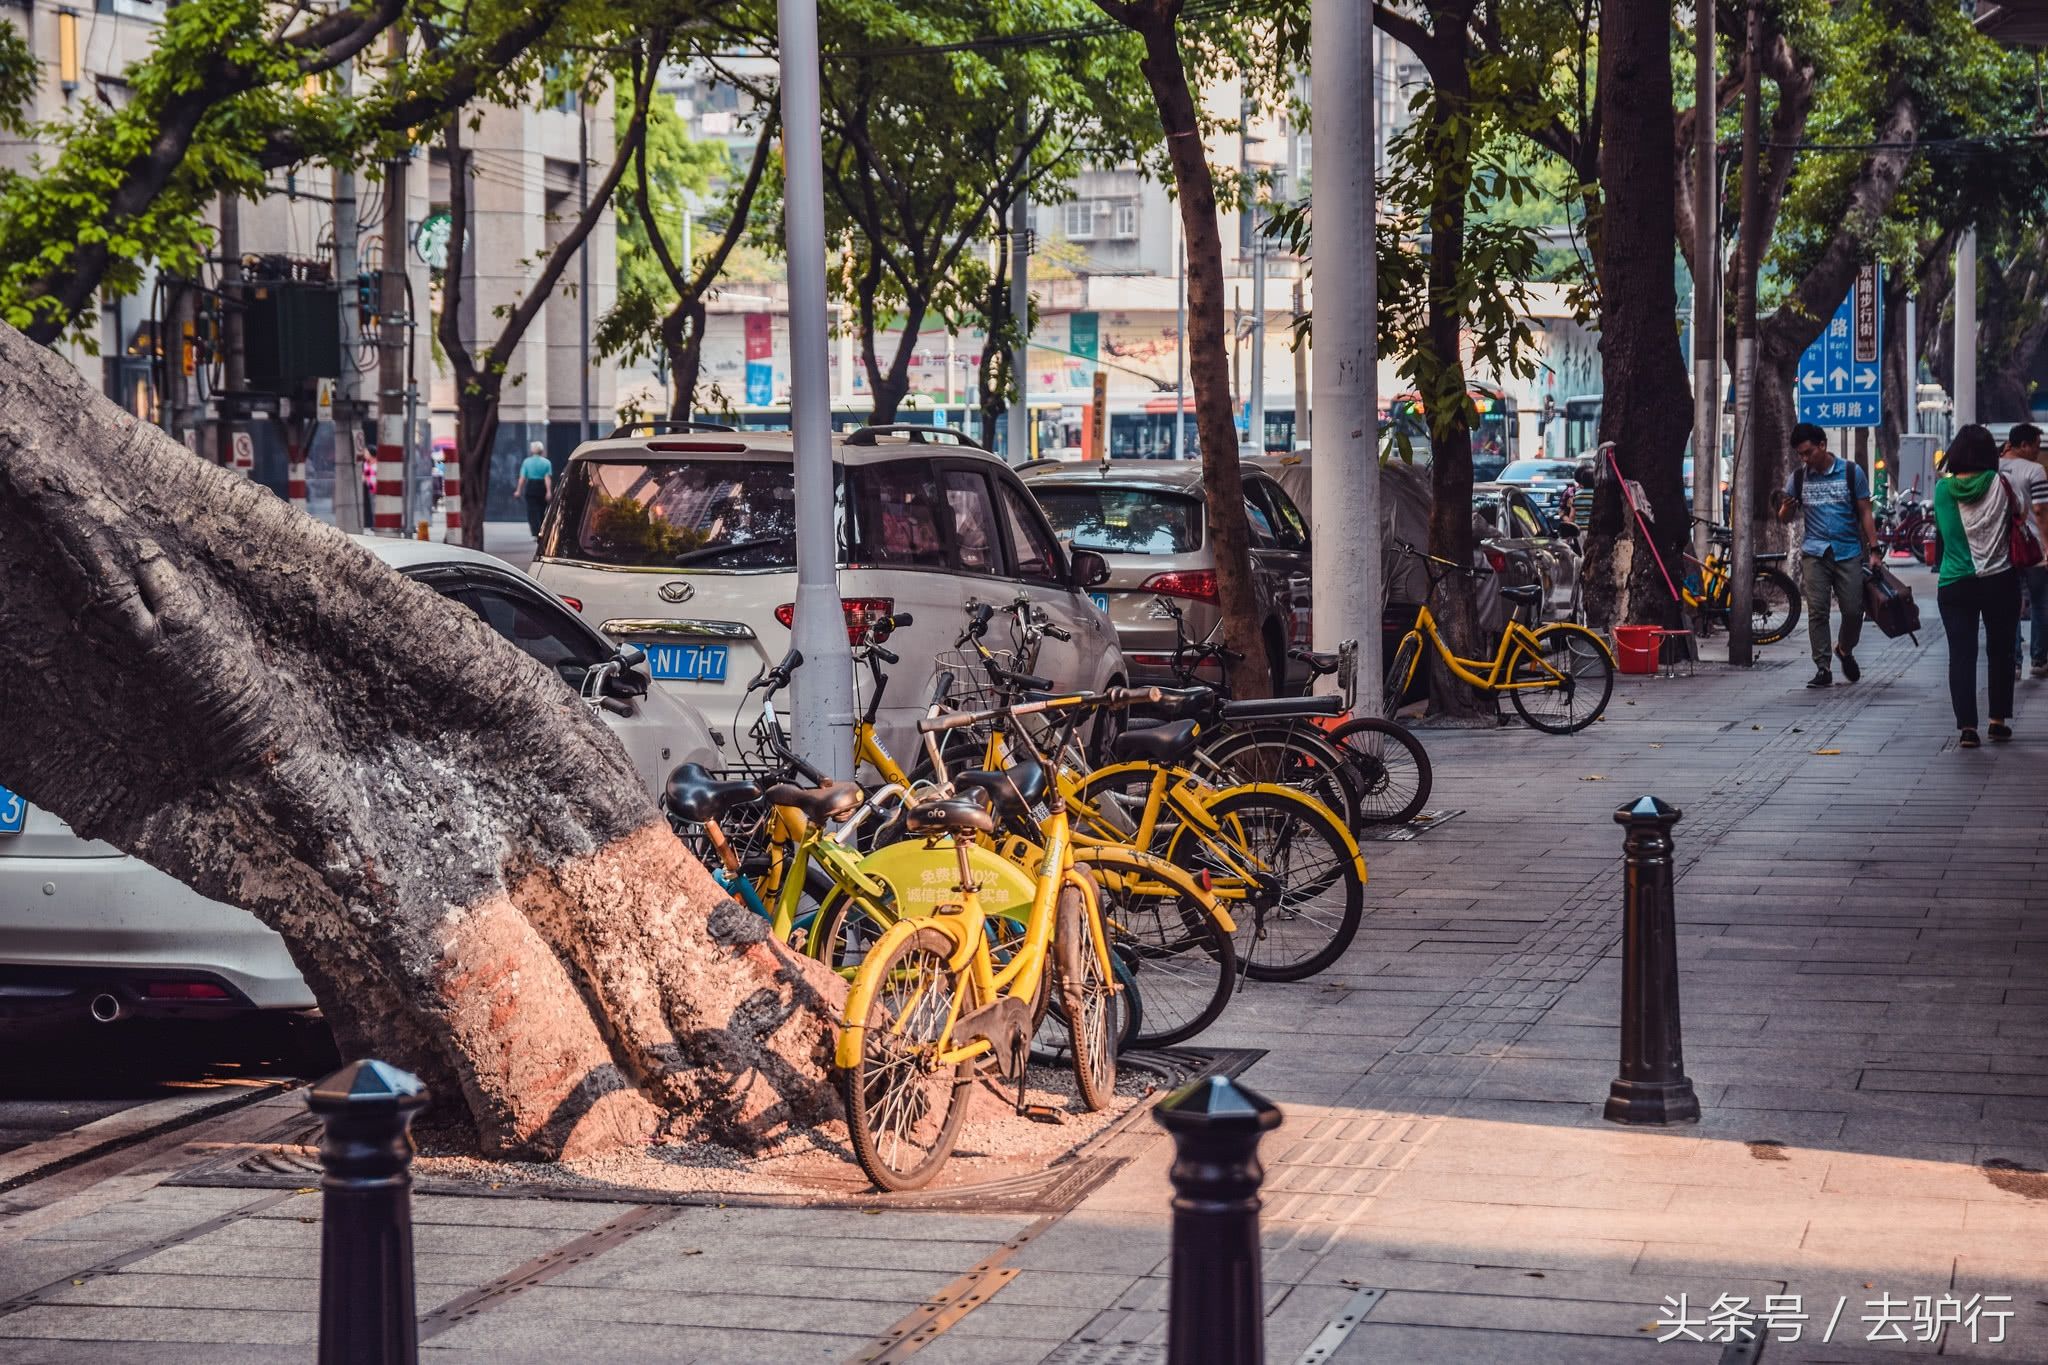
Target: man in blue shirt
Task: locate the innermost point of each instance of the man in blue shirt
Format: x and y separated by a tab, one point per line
1841	535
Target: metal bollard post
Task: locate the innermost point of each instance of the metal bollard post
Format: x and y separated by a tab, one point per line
1218	1310
367	1309
1652	1087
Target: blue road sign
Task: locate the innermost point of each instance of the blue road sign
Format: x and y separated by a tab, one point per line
1841	375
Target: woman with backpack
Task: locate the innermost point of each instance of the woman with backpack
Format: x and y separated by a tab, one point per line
1975	513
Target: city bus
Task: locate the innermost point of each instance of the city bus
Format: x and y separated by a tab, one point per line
1496	430
1142	428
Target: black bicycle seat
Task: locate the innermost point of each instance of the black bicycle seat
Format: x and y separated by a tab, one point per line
1283	708
693	794
818	804
1015	789
1177	703
1321	662
1524	593
961	815
1158	744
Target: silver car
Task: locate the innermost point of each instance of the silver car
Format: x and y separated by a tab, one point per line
1147	518
88	930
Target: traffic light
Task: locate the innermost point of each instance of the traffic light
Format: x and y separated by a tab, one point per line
366	298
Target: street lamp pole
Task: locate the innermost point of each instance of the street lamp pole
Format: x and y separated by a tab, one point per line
823	719
1020	311
1706	294
1345	470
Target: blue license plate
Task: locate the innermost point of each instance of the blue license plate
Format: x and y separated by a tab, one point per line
687	663
13	812
1099	599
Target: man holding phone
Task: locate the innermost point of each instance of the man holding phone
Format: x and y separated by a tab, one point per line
1840	537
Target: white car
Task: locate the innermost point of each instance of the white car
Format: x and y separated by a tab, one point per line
684	541
86	929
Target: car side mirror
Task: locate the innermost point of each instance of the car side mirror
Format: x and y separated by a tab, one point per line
1086	568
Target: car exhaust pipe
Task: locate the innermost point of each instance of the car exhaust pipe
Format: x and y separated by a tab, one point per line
106	1008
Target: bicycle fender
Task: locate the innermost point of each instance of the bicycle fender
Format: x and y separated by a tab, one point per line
1286	793
861	994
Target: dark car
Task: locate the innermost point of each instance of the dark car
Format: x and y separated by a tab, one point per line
1524	544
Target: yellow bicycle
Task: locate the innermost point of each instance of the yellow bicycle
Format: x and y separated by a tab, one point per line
1559	677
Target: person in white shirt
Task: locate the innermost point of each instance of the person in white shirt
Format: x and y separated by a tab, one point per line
2020	463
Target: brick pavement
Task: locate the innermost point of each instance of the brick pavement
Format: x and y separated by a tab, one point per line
1864	963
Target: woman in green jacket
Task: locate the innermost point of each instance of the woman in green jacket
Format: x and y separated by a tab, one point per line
1973	512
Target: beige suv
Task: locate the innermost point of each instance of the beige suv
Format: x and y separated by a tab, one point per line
1148	519
681	539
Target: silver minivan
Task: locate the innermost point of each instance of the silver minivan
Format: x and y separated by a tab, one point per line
682	539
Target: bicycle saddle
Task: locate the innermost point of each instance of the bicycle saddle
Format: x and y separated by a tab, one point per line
960	815
1283	708
1015	789
1158	744
693	794
818	804
1525	593
1321	662
1177	703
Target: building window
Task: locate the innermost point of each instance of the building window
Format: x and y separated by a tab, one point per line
1080	220
1126	219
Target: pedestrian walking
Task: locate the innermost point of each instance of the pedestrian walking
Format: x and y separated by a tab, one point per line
536	484
1974	511
2020	463
1840	539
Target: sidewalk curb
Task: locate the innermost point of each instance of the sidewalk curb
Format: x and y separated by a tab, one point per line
89	1141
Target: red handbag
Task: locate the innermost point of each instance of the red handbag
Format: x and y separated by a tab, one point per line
2022	545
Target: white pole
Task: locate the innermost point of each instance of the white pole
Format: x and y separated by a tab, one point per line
1706	294
823	719
1020	309
1345	472
1255	426
1911	397
1180	342
1966	332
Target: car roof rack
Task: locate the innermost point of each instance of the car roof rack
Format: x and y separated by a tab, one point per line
657	425
919	433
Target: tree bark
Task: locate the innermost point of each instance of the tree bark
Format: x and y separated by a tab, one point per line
1208	337
466	868
1646	412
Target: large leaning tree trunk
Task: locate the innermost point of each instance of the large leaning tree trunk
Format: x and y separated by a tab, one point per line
1156	21
1646	411
466	869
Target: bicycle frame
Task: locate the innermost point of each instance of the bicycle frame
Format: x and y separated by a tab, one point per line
1515	641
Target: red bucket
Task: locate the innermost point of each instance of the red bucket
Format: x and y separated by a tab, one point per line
1635	648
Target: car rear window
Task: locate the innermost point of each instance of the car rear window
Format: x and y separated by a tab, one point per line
1126	521
712	514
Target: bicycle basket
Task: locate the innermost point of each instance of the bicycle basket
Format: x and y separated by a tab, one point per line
972	689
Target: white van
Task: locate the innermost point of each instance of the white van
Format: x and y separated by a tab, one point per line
682	539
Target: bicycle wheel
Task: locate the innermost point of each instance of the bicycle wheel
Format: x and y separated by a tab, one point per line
1774	608
1285	871
1387	767
903	1110
1574	662
846	931
1295	755
1401	676
1175	951
1089	998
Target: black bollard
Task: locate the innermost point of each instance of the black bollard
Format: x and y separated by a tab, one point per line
1218	1310
367	1311
1652	1087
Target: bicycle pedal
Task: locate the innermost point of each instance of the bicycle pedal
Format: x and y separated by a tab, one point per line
1041	1113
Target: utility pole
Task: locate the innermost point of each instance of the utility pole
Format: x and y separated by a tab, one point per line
394	463
233	299
1741	514
824	686
1020	309
1255	247
1345	472
1966	333
1180	340
1706	280
347	423
1301	419
583	270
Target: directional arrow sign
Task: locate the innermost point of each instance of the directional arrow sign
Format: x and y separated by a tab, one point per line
1841	380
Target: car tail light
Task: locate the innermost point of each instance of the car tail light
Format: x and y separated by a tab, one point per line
1496	560
1199	584
575	603
183	990
860	613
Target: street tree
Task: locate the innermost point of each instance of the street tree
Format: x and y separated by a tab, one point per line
482	370
664	277
464	864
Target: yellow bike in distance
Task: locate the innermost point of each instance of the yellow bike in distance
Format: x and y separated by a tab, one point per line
930	1003
1559	677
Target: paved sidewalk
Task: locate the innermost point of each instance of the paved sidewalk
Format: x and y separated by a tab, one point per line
1864	958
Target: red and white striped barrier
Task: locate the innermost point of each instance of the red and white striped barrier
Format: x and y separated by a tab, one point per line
295	474
390	510
451	494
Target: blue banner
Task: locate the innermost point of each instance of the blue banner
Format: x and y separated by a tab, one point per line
1841	375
